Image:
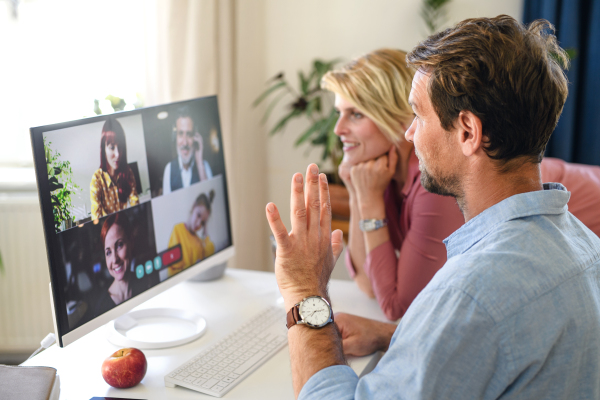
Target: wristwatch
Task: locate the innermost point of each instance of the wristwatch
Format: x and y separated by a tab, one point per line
368	225
313	311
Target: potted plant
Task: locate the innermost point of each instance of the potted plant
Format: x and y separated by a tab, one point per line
60	192
314	104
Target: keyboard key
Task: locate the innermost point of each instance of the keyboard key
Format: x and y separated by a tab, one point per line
218	388
199	381
228	379
233	375
209	383
190	379
242	368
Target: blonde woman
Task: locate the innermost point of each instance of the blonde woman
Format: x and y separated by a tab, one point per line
399	248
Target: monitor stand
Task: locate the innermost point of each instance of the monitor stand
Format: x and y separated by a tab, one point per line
210	274
156	328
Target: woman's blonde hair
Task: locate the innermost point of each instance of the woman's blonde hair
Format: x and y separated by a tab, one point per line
378	84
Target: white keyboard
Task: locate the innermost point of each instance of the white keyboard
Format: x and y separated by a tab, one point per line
219	368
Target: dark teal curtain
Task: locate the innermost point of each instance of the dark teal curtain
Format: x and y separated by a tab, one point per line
577	135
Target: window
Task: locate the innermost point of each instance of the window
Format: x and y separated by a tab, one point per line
58	56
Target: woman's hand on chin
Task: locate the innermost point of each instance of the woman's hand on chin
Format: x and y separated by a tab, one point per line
372	177
344	173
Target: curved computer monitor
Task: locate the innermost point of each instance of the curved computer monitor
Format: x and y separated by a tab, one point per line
132	203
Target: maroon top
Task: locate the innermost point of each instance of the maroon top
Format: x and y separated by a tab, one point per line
418	222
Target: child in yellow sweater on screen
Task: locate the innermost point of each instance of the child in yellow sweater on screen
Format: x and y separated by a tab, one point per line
193	247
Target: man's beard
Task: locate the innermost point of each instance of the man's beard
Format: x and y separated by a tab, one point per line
444	186
185	160
448	185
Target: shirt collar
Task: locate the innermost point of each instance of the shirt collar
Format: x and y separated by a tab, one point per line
193	162
107	179
551	200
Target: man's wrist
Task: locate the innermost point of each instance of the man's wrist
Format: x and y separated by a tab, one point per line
291	299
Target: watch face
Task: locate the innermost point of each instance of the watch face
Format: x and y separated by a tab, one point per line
314	311
369	225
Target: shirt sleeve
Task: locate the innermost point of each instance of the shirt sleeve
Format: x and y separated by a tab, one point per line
337	382
167	179
445	347
398	280
95	196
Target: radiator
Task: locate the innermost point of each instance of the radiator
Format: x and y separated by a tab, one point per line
25	312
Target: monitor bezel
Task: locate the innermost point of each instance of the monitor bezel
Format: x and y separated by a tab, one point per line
63	337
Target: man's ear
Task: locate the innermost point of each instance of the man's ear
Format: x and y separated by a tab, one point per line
470	132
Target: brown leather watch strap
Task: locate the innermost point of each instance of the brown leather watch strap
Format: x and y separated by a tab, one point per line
293	316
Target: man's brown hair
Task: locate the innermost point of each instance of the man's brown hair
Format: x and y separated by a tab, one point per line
507	74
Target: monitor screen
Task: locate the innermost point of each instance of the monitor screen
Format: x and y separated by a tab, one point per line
132	203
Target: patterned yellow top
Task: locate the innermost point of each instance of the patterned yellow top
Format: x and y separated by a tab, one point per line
104	194
193	248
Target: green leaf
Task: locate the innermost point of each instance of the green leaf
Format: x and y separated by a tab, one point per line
314	104
308	133
267	92
282	122
271	107
303	83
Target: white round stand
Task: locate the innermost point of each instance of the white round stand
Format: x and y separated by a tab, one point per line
156	328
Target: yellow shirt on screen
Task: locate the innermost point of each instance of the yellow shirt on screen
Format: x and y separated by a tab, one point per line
193	248
104	194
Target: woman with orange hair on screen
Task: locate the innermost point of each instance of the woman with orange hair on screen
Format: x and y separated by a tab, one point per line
193	247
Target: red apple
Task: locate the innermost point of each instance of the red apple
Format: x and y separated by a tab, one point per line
124	368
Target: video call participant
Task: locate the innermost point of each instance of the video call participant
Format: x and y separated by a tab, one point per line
189	167
381	172
113	185
116	239
514	313
194	247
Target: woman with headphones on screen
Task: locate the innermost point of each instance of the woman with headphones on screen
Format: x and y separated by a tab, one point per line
397	228
113	185
194	247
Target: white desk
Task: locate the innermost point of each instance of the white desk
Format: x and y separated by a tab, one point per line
225	304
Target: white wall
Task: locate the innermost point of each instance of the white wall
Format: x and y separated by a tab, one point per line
299	31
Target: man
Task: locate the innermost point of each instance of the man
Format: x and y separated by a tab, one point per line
515	311
189	167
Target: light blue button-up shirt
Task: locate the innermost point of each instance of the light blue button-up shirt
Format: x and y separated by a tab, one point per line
513	314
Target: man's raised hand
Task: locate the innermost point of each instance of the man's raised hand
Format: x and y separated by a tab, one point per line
307	254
